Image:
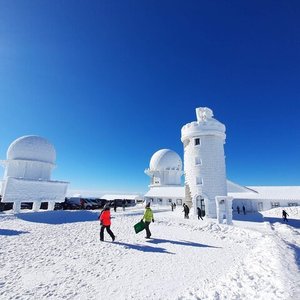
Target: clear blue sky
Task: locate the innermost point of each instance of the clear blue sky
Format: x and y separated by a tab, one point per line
111	82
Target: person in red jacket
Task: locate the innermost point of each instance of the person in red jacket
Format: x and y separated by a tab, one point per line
105	223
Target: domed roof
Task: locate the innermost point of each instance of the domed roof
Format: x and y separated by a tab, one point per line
32	147
165	159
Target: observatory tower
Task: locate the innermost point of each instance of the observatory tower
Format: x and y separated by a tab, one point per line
204	161
30	161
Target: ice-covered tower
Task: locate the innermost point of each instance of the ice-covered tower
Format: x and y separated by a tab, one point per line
204	161
165	168
30	161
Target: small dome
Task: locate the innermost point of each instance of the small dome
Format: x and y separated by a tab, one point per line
165	159
31	147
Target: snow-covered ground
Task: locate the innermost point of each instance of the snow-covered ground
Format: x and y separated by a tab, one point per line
58	255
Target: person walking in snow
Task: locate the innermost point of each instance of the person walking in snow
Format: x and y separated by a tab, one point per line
81	203
238	209
284	214
244	210
115	205
105	222
186	211
199	213
148	217
123	204
172	206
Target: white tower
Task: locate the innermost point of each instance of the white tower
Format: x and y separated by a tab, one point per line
165	168
204	161
30	161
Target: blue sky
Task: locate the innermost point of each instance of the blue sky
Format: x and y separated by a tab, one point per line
111	82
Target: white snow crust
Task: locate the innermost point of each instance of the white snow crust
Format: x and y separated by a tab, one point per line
31	147
58	255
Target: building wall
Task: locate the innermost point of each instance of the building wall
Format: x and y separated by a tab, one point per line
34	170
264	204
24	190
205	172
164	201
254	205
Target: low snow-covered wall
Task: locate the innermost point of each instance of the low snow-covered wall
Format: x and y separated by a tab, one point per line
24	190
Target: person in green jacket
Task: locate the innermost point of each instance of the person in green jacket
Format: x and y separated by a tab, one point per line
148	217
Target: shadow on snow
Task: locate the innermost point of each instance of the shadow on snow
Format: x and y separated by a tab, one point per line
181	243
143	248
58	217
258	217
291	222
297	253
249	217
11	232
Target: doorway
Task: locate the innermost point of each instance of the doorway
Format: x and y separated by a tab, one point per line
201	203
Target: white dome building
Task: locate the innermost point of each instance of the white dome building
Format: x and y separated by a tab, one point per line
30	161
31	157
165	171
165	168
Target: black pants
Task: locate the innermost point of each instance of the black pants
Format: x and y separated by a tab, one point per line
199	217
148	233
108	231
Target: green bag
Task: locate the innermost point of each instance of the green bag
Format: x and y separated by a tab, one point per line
138	227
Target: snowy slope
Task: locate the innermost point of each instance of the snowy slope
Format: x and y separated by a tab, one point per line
58	255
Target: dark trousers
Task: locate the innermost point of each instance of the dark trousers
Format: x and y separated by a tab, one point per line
108	231
199	217
148	233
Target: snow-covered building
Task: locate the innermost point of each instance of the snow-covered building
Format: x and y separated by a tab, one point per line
204	161
260	198
205	174
132	197
165	171
30	161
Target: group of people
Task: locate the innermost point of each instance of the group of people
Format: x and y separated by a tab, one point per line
173	206
238	209
105	221
123	205
186	211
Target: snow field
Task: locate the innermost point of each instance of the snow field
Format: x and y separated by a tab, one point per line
58	255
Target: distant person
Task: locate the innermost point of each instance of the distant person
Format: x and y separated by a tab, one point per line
284	214
199	213
172	206
81	203
148	217
115	205
123	204
105	222
186	211
244	210
238	209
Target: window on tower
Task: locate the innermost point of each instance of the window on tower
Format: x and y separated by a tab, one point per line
198	161
199	181
197	141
